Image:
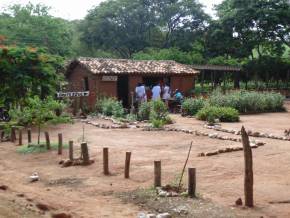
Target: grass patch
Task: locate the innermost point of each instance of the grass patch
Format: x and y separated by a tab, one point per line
41	148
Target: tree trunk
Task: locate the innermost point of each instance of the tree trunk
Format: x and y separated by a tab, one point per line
248	180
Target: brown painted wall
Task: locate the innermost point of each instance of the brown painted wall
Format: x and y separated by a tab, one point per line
183	83
98	87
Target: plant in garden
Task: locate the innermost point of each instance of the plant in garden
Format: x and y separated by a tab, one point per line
110	107
144	111
40	112
191	106
248	102
224	114
159	114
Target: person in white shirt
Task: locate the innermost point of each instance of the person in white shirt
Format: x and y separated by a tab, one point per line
166	94
156	92
140	93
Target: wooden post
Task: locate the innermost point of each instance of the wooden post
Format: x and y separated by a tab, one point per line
106	161
157	174
71	150
60	144
29	135
191	182
47	140
248	180
2	136
85	153
127	165
13	134
20	136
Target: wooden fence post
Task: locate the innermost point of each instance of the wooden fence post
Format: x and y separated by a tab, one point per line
13	134
85	153
60	143
2	136
71	150
249	178
29	135
191	182
47	140
20	136
127	165
106	161
157	174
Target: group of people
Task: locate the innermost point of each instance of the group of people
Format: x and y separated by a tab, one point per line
157	92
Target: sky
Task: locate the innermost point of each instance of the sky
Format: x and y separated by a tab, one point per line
77	9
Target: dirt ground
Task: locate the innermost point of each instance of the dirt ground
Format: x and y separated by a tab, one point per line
86	192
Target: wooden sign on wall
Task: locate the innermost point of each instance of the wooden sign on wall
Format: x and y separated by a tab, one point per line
110	78
72	94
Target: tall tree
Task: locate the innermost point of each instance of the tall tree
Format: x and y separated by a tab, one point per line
31	25
27	72
128	26
260	26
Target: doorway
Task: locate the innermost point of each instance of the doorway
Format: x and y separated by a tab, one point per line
123	89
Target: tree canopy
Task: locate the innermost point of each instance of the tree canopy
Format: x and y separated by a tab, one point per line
32	25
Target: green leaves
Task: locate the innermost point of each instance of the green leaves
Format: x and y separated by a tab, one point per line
27	72
31	25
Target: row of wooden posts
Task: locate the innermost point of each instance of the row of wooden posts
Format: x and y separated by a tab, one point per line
86	159
248	179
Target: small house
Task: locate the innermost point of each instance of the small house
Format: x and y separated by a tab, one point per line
119	77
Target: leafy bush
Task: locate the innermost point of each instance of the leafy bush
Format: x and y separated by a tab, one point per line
40	112
191	106
39	148
144	111
224	114
248	102
156	112
110	107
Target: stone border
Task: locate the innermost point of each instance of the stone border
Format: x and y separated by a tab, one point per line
230	149
107	126
250	133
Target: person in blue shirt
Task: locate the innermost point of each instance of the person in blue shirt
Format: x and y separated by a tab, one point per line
178	96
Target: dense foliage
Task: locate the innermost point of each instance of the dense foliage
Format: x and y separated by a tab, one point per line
27	72
248	102
223	114
110	107
31	25
39	112
191	106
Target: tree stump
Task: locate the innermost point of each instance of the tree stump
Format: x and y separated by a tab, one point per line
85	153
47	140
127	165
157	174
248	180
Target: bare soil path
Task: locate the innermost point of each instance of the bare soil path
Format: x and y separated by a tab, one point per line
85	192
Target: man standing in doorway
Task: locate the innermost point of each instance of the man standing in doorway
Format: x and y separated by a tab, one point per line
156	92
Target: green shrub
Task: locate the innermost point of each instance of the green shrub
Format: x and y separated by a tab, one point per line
248	102
158	111
191	106
144	111
110	107
224	114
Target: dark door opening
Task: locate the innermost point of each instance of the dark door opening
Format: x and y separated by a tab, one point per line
123	89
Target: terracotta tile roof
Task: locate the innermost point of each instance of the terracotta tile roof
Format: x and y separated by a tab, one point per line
217	68
126	66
